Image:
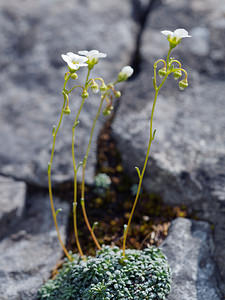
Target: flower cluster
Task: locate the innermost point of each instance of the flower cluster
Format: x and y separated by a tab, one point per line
174	38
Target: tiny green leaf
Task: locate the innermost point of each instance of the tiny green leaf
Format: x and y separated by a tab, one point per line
154	132
76	123
58	211
138	171
94	225
53	130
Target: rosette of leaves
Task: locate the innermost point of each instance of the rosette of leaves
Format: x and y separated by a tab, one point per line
142	274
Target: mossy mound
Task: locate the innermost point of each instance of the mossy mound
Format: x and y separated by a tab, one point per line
141	275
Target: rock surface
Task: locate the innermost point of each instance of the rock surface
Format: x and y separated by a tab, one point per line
31	250
188	155
12	203
33	35
188	248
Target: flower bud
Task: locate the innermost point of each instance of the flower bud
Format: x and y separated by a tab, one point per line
177	74
66	75
183	84
117	94
74	76
107	111
67	110
125	73
95	87
162	72
103	87
85	94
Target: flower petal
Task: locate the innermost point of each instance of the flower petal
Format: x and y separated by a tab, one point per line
181	33
167	32
71	55
66	58
73	66
83	52
127	70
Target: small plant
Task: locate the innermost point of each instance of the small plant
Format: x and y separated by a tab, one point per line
102	184
113	273
141	275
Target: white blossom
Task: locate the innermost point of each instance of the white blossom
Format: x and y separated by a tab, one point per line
127	70
125	73
74	61
179	33
92	55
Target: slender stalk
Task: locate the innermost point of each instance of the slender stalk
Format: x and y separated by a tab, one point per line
75	180
168	57
83	174
75	170
49	177
151	137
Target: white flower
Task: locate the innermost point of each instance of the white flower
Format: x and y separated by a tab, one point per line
74	61
179	33
125	73
174	37
92	55
127	70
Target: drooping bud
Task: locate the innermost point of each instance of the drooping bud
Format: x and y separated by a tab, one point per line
103	87
95	87
117	94
74	76
107	111
183	84
177	74
162	72
67	110
85	94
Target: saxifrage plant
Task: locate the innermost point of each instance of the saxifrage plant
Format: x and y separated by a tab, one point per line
112	273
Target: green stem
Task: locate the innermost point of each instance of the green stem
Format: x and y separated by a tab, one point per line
75	180
168	57
75	171
147	154
49	177
83	174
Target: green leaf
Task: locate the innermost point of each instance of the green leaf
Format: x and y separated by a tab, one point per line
153	134
58	211
94	225
138	171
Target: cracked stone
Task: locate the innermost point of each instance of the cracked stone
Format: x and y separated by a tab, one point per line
188	248
12	202
33	35
32	250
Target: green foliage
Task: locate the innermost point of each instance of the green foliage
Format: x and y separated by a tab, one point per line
140	275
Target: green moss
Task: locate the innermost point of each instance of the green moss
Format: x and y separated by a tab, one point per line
141	275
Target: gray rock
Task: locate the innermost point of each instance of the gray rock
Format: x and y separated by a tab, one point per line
33	35
187	159
12	203
188	248
28	255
